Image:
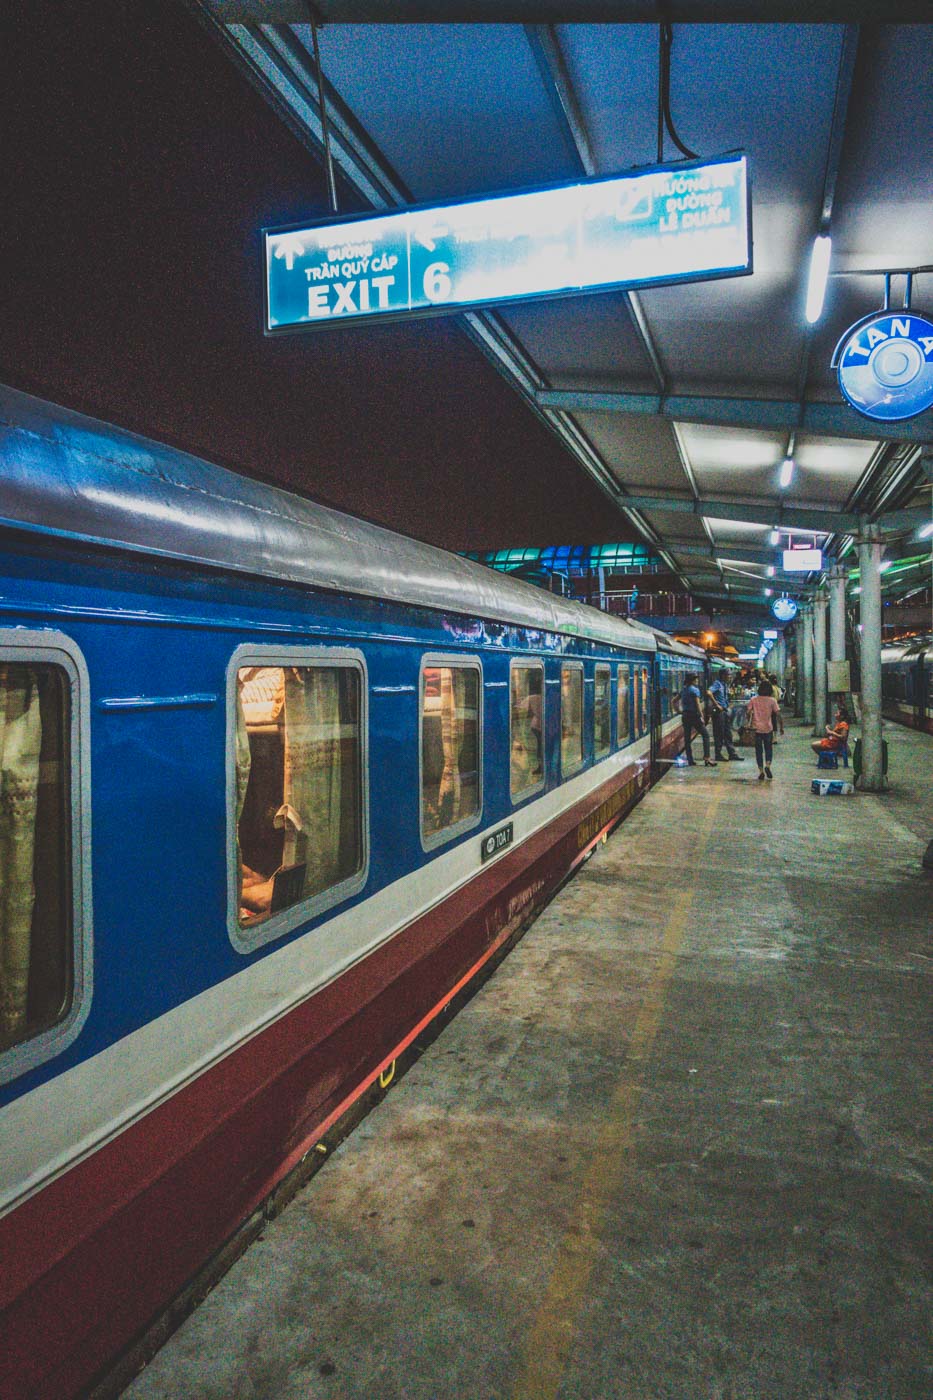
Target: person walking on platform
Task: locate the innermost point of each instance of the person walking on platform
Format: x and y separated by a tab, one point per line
763	712
691	717
722	722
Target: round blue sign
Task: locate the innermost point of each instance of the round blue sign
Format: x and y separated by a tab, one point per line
885	365
784	609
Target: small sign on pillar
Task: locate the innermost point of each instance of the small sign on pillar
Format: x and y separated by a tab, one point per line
837	677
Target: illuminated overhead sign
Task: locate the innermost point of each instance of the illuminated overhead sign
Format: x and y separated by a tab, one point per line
670	224
885	365
802	560
784	609
770	633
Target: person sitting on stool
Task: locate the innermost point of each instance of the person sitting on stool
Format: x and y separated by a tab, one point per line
837	734
722	722
692	721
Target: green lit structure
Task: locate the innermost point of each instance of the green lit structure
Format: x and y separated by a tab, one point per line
571	559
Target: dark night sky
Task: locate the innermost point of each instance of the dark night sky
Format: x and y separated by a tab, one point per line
138	167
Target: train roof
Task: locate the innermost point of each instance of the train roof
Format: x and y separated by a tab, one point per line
905	648
665	642
76	477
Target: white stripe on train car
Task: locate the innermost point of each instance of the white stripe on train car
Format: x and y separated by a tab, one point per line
56	1125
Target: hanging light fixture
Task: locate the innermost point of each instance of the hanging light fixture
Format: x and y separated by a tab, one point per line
819	274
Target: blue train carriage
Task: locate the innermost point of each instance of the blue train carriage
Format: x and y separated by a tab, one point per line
275	785
907	682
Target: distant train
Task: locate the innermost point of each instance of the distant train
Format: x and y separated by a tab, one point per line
907	682
275	785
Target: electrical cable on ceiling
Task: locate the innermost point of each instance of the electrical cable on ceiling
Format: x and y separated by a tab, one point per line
665	44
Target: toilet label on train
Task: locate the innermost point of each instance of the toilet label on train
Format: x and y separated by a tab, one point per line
496	841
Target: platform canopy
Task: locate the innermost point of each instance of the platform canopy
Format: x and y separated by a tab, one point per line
683	401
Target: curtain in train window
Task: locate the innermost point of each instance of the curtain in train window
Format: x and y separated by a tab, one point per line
36	960
526	713
571	718
298	784
602	712
450	739
645	711
622	721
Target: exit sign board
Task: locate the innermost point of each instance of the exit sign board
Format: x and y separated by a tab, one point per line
675	223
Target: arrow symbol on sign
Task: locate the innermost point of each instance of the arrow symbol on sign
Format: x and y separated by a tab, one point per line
427	238
290	247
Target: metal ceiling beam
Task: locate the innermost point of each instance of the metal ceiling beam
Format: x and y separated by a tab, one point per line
845	74
279	66
730	553
547	53
545	47
785	415
736	596
571	11
766	514
776	514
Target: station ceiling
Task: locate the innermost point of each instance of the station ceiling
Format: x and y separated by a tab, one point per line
681	402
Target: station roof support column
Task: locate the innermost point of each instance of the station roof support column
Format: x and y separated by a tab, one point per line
778	660
869	558
837	612
806	662
837	618
820	602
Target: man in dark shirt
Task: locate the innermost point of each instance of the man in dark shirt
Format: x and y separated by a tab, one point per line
692	719
722	722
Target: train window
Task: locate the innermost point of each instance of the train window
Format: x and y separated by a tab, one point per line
298	788
526	726
602	712
644	710
623	733
571	717
44	912
451	745
636	703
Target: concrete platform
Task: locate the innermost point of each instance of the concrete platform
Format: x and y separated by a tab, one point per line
678	1146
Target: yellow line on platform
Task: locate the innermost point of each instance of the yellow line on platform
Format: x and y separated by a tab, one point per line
555	1325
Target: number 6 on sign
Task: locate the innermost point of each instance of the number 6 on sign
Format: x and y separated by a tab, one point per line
437	283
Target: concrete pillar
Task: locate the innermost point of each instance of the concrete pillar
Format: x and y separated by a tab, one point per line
806	649
869	561
819	663
837	612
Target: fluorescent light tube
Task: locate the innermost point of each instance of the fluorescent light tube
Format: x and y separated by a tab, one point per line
787	472
819	273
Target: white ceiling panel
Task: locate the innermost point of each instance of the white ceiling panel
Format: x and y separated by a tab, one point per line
644	456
